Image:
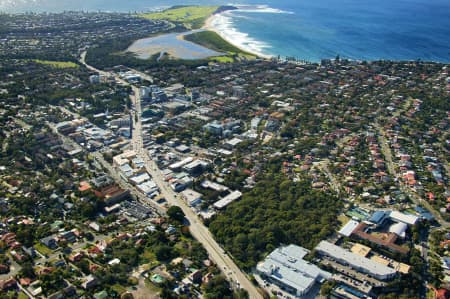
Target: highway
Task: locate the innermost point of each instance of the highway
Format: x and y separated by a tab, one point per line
199	231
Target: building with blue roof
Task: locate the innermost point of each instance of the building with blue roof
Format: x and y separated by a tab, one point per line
378	217
424	213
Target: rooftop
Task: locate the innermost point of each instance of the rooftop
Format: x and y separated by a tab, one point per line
220	204
360	249
405	218
354	259
378	217
348	228
191	196
286	265
386	239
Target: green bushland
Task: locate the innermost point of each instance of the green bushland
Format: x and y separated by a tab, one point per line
192	17
57	64
43	249
277	211
222	59
21	295
213	41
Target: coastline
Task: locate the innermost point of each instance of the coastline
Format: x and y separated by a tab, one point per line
211	25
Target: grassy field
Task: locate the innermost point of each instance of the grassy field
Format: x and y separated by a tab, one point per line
22	295
343	219
192	17
43	249
213	41
222	59
149	257
57	64
118	289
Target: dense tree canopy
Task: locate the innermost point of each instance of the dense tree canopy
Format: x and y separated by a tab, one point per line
175	213
277	211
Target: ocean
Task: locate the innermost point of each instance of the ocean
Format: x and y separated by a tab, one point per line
308	29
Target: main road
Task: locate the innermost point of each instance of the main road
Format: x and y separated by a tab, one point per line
198	230
108	167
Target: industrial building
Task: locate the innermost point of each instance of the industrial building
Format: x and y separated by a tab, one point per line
286	268
196	166
192	197
177	166
222	203
148	187
213	186
356	261
348	228
405	218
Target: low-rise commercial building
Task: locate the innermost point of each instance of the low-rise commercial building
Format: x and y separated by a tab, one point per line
356	261
220	204
405	218
177	166
286	268
192	197
196	166
112	194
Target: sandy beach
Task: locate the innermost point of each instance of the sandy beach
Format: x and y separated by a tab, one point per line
221	24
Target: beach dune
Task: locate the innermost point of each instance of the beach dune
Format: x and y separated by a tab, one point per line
221	23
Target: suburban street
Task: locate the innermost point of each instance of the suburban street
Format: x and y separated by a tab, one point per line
386	150
236	277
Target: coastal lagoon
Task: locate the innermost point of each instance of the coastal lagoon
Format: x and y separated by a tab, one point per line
172	44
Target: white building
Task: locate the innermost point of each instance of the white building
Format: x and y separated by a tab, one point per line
123	158
120	122
220	204
139	178
196	166
399	229
94	79
405	218
192	197
232	143
286	268
348	228
148	187
356	261
145	92
177	166
214	186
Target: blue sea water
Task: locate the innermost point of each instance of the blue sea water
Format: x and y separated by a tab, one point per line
312	29
357	29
